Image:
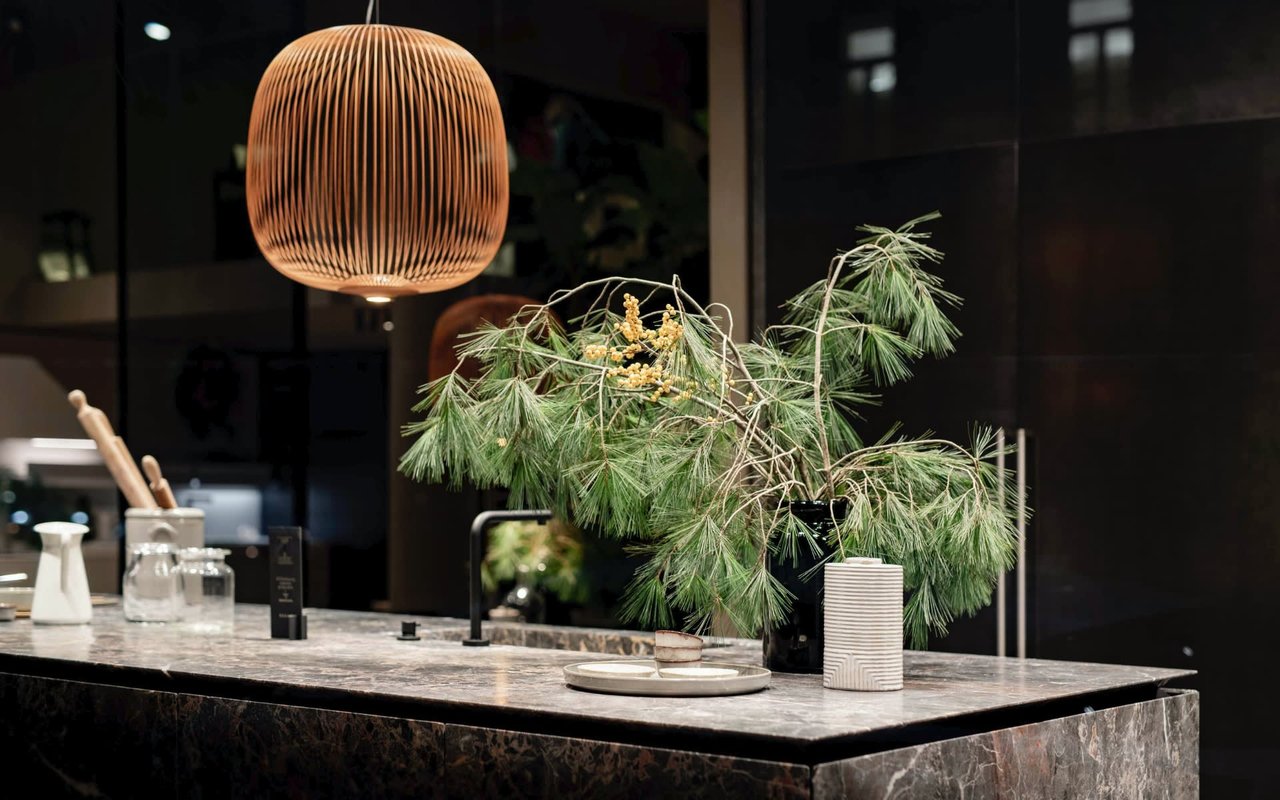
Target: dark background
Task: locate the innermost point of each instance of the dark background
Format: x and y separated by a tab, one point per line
1108	173
1109	179
239	380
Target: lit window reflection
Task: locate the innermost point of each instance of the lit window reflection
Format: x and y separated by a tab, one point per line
883	77
869	52
1118	43
1100	46
870	44
1083	48
1099	28
1088	13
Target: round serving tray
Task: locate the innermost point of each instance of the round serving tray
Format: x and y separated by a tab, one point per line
629	677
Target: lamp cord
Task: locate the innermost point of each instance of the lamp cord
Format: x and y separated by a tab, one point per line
368	14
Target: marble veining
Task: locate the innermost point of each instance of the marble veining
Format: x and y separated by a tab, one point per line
357	654
270	750
483	762
1147	750
66	739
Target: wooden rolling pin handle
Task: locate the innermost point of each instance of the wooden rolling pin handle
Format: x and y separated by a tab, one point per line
159	486
164	495
134	487
93	420
115	466
114	453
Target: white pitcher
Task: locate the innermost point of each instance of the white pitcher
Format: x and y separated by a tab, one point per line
62	588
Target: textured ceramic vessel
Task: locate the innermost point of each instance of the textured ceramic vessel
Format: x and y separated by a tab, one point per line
862	626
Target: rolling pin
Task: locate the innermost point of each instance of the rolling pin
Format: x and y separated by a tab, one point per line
159	484
114	453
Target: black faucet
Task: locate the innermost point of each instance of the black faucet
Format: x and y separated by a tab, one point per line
484	521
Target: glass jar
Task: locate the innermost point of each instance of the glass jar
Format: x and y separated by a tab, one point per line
151	583
208	589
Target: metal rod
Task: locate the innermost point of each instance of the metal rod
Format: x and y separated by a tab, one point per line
1022	543
476	591
483	521
1002	623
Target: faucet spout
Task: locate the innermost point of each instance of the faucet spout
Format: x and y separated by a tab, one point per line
483	521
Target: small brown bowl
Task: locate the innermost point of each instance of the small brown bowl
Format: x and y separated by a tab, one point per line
676	647
677	655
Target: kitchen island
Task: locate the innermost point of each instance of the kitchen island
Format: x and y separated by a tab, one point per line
123	710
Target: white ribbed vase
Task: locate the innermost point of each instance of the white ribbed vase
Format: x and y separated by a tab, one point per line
862	625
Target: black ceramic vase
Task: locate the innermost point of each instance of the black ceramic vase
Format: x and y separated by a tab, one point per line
795	643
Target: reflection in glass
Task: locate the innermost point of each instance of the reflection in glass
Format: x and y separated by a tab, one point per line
870	44
1088	13
65	253
1082	49
869	52
883	77
857	78
1118	42
1099	48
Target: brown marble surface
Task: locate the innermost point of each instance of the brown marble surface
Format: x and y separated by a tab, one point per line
356	655
1149	750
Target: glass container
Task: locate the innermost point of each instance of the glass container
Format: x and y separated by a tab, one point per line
151	583
208	589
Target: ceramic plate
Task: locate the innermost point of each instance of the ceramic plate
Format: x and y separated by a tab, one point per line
21	597
595	676
617	668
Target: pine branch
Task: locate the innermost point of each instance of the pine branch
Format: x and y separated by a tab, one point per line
651	424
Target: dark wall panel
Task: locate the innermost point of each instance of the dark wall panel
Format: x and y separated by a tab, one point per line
1091	67
858	81
1112	227
1153	385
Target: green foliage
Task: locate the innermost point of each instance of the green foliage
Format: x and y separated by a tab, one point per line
546	556
655	427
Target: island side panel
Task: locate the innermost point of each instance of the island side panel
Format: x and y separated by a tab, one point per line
240	749
68	739
1149	749
484	762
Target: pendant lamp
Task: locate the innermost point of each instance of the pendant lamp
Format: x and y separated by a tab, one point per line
377	162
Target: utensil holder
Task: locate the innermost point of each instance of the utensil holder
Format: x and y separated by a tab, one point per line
180	527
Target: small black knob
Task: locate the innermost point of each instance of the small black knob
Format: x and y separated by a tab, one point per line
408	632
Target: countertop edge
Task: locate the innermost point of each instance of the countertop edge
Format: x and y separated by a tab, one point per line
759	745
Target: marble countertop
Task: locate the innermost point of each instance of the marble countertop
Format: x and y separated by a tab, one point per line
355	658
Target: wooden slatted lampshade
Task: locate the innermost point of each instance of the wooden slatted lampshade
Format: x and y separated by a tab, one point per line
377	162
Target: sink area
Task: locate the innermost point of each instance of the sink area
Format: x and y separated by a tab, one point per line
583	640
